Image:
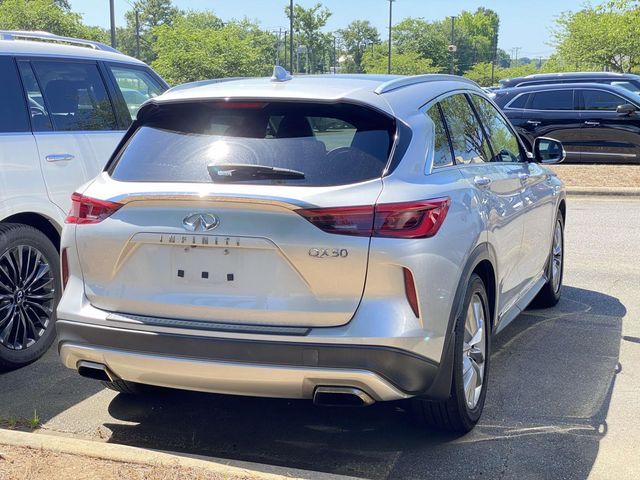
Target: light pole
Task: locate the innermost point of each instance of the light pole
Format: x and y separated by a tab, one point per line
112	16
291	36
390	19
453	42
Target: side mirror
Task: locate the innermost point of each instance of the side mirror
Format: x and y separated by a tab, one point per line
548	151
626	109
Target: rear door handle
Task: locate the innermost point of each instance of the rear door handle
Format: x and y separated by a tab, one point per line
59	157
591	124
482	182
535	123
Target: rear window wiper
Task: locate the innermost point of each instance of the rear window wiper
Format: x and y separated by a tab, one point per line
234	172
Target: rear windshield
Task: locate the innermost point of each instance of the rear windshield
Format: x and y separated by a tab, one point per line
257	143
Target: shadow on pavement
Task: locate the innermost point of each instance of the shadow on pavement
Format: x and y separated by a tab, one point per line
552	375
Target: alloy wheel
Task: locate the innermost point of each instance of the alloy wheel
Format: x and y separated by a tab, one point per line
556	262
474	350
27	293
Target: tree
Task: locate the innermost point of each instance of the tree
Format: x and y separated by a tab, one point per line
481	73
407	63
190	49
307	23
46	15
474	37
606	36
355	38
151	14
427	39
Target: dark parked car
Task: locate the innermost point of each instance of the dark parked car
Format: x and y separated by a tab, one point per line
625	80
595	122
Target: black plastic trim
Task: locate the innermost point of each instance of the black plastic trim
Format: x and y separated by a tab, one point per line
408	372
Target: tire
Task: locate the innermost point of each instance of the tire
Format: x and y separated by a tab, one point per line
29	294
125	387
549	294
460	413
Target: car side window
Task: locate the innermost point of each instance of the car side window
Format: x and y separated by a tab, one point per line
552	100
502	138
13	110
467	138
75	95
520	101
40	119
600	100
442	156
136	86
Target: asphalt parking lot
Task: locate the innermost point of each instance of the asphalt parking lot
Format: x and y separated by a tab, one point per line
562	402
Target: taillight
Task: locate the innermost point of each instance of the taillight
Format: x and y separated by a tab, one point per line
90	210
410	291
421	219
64	267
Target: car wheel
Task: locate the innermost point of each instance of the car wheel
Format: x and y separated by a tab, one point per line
549	294
462	410
30	288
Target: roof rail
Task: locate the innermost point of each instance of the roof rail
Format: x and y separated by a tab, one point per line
415	79
29	35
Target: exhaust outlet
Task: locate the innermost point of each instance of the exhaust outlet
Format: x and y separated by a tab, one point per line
96	371
341	397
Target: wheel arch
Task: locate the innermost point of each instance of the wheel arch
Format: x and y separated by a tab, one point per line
40	222
481	261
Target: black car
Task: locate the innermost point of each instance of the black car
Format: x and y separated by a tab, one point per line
625	80
595	122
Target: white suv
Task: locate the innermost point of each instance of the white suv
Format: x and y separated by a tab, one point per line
64	106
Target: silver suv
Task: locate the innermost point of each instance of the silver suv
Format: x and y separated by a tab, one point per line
349	239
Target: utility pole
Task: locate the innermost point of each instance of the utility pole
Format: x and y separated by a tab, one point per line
390	23
291	36
495	55
514	54
453	42
335	60
285	63
112	15
137	34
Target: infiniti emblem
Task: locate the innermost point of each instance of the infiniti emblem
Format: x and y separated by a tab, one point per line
201	222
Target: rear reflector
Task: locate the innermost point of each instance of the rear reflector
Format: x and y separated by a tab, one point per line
410	291
86	210
64	267
421	219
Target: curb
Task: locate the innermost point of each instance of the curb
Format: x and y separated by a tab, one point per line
600	191
127	454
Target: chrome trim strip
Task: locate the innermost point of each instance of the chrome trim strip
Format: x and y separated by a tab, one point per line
205	325
190	196
608	154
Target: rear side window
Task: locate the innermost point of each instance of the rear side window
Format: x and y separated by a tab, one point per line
75	96
40	118
442	156
552	100
13	111
503	139
136	86
257	143
520	101
467	138
600	100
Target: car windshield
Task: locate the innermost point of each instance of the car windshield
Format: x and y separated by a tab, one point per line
324	144
630	86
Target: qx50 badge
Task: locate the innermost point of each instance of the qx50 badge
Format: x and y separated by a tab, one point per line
328	252
201	222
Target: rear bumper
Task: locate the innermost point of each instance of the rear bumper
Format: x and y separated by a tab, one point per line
245	367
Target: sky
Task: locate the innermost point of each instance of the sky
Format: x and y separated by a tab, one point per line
524	24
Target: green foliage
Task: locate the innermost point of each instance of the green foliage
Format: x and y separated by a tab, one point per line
604	36
481	73
46	15
407	63
307	23
190	50
355	38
